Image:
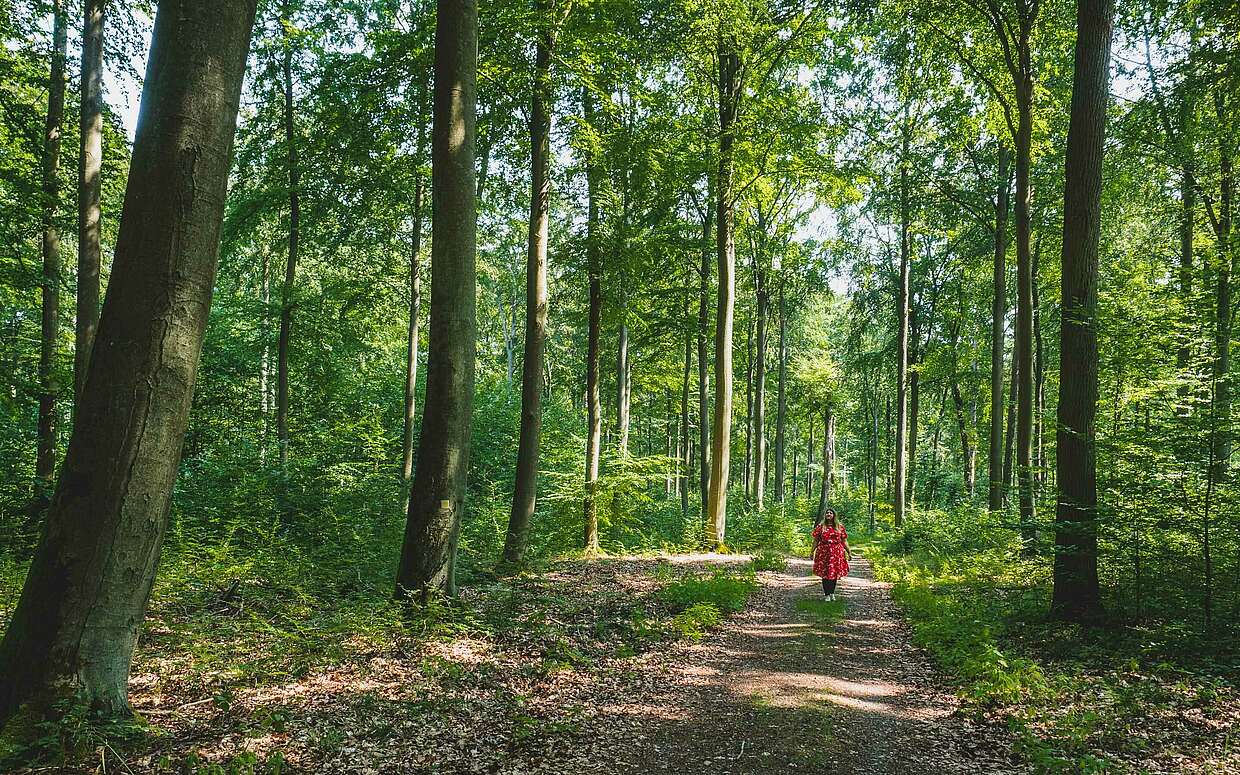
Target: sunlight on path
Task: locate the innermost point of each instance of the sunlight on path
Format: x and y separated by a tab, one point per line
779	690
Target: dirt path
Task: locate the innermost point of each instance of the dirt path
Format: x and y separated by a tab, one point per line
778	689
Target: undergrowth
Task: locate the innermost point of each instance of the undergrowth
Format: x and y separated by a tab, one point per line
1130	696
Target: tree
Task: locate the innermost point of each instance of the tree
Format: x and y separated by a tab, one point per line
594	409
1076	594
998	314
45	465
525	489
437	496
76	623
294	237
90	167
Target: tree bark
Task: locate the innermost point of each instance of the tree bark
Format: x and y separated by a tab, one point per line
725	249
49	391
411	349
828	457
1010	437
1222	304
703	366
594	409
525	487
90	163
748	409
74	628
1076	594
998	313
622	389
438	492
781	411
1024	287
294	236
902	340
682	482
759	391
914	406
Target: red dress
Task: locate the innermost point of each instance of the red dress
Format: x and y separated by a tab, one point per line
830	559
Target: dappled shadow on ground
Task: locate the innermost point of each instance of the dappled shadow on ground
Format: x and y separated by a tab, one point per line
778	690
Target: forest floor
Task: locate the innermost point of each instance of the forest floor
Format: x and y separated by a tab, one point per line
574	669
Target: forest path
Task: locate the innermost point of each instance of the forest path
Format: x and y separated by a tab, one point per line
786	687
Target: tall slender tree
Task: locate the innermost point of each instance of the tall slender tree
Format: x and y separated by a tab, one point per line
294	237
90	165
49	391
438	492
1076	594
526	484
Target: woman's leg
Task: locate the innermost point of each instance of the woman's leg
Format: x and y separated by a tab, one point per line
828	587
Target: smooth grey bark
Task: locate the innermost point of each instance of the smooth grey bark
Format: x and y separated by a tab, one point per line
622	389
525	486
725	250
74	628
703	365
902	336
438	493
90	164
594	408
411	343
1076	594
781	410
49	391
759	388
998	314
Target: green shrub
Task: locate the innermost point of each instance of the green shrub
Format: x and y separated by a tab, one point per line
768	560
693	622
726	590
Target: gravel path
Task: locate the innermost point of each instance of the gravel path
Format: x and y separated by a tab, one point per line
778	690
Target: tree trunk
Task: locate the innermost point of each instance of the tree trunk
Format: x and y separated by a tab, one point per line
685	459
1024	293
74	628
1010	437
704	458
914	407
622	389
809	462
1222	305
725	248
1076	593
411	349
781	411
902	312
828	458
90	163
525	487
49	391
438	492
294	236
759	391
594	409
998	313
748	409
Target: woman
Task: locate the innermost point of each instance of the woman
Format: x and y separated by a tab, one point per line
831	551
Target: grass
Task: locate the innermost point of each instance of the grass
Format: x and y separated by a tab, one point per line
1121	698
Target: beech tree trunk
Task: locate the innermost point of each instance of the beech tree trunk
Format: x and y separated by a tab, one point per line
622	389
49	391
90	163
759	391
594	408
411	349
1024	287
704	461
725	249
1076	593
438	492
748	409
294	236
828	457
914	407
682	481
1222	304
998	314
526	484
75	625
781	411
902	350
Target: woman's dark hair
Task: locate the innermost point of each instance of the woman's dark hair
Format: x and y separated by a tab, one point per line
822	518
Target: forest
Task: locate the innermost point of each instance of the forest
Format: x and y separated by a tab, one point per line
471	386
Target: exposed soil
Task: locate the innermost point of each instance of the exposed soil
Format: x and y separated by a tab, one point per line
777	689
